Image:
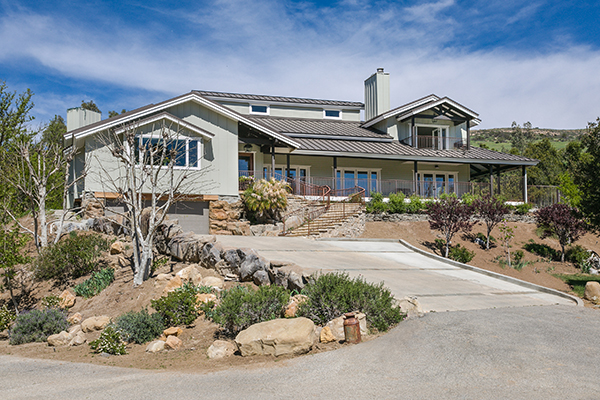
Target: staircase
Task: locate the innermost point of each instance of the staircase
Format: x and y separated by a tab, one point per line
335	216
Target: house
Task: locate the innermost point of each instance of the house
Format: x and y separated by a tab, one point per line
422	147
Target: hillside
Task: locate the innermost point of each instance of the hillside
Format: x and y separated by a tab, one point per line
499	138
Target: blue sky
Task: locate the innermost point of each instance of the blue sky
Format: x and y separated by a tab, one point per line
508	60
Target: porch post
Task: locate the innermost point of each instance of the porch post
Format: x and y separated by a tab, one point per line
287	165
413	134
415	180
468	134
524	171
334	173
272	161
498	174
491	168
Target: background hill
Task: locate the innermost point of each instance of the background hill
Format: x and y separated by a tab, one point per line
500	138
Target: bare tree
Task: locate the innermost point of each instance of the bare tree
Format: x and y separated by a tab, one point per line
41	170
148	178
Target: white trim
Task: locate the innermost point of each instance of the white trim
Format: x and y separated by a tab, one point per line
325	116
425	107
396	111
250	111
199	152
176	121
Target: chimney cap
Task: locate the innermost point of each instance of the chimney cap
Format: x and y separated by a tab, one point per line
379	70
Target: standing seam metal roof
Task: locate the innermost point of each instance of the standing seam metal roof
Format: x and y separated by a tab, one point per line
282	99
319	127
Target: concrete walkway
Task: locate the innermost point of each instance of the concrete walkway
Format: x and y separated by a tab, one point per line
438	285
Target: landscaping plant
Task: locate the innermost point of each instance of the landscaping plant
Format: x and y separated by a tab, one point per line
396	203
241	306
178	307
37	325
266	199
331	295
139	327
491	210
563	222
74	256
7	316
376	204
109	342
11	244
461	254
506	235
415	206
449	216
579	256
523	208
95	284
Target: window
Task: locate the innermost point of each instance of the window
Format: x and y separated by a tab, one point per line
259	109
337	114
364	178
435	183
296	171
184	152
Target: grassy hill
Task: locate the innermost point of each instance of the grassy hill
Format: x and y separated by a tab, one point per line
499	138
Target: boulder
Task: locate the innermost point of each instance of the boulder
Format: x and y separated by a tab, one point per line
173	343
336	325
203	298
173	331
155	346
164	233
163	277
60	339
116	248
75	319
326	336
95	323
78	339
261	278
173	284
411	307
211	255
220	349
277	337
250	265
223	268
188	246
592	291
4	334
75	329
295	281
66	299
189	274
213	281
280	278
292	306
293	222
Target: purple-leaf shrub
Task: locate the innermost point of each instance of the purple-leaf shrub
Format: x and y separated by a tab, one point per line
491	210
562	221
449	216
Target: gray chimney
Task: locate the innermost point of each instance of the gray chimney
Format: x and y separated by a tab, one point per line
78	117
377	94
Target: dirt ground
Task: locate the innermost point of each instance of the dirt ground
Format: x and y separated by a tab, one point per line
537	270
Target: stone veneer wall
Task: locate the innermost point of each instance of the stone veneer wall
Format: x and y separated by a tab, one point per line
225	217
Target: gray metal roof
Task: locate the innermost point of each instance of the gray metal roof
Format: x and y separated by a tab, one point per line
298	127
281	99
398	150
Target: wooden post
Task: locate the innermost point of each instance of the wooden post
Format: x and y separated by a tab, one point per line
524	171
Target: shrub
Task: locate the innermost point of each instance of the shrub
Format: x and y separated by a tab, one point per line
449	215
562	221
178	307
266	199
578	255
491	210
52	301
7	316
37	325
523	209
109	342
332	295
139	327
469	199
517	262
71	258
396	203
97	283
376	204
241	307
542	250
461	254
415	206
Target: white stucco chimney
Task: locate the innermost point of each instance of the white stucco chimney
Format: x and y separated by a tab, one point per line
78	117
377	94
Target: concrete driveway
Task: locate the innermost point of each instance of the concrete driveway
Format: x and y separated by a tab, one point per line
438	285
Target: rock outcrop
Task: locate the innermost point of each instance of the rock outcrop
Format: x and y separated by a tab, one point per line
277	337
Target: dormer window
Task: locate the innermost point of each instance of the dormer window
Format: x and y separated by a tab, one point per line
335	114
259	109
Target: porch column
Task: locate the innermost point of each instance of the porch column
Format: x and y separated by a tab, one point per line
272	161
468	135
287	165
413	134
415	178
498	174
491	168
334	173
524	171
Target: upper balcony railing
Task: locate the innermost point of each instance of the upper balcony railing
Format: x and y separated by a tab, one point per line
434	143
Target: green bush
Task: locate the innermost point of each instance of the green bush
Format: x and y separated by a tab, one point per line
578	255
332	295
396	203
109	342
7	316
376	204
469	198
266	200
460	254
542	250
241	307
178	307
523	209
139	327
415	206
96	283
517	260
72	257
51	301
37	325
481	236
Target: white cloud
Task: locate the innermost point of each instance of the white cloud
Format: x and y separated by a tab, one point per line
322	53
